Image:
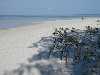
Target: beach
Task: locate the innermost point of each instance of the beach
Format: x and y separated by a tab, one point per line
16	43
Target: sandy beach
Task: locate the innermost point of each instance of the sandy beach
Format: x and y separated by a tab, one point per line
15	43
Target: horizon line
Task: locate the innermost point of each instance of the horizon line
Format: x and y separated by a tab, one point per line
87	15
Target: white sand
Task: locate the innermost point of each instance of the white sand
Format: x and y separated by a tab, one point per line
15	42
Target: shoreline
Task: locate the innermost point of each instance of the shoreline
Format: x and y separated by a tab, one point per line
48	20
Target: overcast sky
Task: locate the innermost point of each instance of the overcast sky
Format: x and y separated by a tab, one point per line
49	7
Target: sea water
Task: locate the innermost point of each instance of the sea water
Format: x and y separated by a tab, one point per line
14	21
11	21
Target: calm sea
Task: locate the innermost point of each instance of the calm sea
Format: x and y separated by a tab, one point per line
11	21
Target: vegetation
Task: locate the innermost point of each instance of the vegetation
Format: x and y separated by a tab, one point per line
82	46
86	45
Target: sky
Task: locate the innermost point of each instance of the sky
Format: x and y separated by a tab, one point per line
49	7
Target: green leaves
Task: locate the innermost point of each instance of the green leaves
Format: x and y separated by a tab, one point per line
88	55
84	43
71	40
62	38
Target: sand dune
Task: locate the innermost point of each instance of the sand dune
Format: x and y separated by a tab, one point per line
15	42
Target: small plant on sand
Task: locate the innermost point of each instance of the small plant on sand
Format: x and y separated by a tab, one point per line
63	40
81	46
85	48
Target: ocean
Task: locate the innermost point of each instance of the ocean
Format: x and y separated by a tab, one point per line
12	21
